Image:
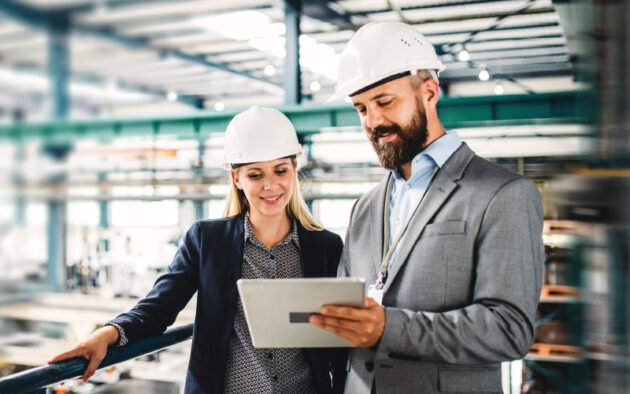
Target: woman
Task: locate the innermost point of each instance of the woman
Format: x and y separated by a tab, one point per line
267	233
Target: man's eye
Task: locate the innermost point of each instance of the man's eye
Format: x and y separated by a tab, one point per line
384	103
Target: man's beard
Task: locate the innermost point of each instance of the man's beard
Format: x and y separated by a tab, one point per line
411	141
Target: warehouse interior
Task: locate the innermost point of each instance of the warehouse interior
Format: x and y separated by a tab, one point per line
112	114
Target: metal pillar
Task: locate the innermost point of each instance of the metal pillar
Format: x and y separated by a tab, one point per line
104	212
200	209
18	182
292	72
58	72
57	244
58	65
200	205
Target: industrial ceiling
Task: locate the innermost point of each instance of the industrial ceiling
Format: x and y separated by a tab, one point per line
142	57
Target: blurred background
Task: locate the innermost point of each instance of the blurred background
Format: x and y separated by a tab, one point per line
111	121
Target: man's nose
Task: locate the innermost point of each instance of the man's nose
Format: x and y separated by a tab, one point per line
373	119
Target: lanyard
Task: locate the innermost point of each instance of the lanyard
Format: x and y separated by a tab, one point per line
388	251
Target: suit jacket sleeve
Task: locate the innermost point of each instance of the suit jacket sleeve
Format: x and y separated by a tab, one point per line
169	295
499	323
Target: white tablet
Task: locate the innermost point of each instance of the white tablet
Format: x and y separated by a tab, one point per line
277	310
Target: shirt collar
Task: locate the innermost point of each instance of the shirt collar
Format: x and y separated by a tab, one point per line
437	153
251	236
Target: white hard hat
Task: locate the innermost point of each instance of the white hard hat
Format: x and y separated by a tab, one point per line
259	134
380	50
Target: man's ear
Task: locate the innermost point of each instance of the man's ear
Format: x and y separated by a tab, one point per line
430	93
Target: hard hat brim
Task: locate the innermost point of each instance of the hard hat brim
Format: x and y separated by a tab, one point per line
262	158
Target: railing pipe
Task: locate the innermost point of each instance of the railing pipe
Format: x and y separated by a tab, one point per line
40	377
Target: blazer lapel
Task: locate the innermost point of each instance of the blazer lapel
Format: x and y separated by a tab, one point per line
443	185
377	218
307	253
236	249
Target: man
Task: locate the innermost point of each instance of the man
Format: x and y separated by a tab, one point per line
451	242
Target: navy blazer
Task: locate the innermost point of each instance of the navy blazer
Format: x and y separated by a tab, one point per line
209	262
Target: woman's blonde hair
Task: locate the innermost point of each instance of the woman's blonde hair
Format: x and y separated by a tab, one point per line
296	209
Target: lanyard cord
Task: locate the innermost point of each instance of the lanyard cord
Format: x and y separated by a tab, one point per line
388	251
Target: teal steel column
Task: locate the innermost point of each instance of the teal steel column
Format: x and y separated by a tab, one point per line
200	209
19	182
58	65
58	72
292	72
57	245
104	212
307	150
200	205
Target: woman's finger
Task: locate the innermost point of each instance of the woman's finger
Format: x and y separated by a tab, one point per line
93	364
72	353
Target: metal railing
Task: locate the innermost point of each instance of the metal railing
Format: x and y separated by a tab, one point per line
41	377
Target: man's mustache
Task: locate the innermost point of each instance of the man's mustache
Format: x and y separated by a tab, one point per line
384	130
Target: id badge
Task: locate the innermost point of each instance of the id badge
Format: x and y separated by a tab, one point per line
376	294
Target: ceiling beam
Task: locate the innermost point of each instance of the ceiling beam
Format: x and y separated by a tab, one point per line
481	15
549	108
41	20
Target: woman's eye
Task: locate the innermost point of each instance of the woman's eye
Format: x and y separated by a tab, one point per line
253	176
281	171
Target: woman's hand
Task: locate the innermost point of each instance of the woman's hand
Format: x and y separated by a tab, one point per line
93	349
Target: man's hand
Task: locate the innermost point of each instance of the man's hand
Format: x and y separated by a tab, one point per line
360	327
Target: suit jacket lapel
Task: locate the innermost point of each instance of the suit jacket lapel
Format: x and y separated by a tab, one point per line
435	196
377	213
443	185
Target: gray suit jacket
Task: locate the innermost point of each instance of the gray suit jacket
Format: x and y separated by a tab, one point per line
462	294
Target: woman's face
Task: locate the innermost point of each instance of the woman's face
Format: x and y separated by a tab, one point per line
267	185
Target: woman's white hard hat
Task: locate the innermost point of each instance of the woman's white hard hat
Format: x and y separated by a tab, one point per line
379	50
259	134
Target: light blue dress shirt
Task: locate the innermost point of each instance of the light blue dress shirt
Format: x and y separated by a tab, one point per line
406	194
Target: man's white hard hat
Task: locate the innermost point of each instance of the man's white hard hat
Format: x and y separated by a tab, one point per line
381	50
259	134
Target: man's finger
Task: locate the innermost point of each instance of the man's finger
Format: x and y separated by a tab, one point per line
350	325
340	331
345	312
348	336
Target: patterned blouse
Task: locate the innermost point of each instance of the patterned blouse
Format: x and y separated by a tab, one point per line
251	370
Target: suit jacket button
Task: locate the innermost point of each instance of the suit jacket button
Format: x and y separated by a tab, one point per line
369	365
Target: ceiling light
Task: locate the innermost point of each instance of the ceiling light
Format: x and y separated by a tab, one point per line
315	86
270	70
171	96
241	25
219	106
498	88
484	75
463	56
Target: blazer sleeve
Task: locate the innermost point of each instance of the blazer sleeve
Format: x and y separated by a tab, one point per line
338	356
499	323
344	264
169	295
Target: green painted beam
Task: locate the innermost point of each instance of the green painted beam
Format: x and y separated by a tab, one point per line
548	108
